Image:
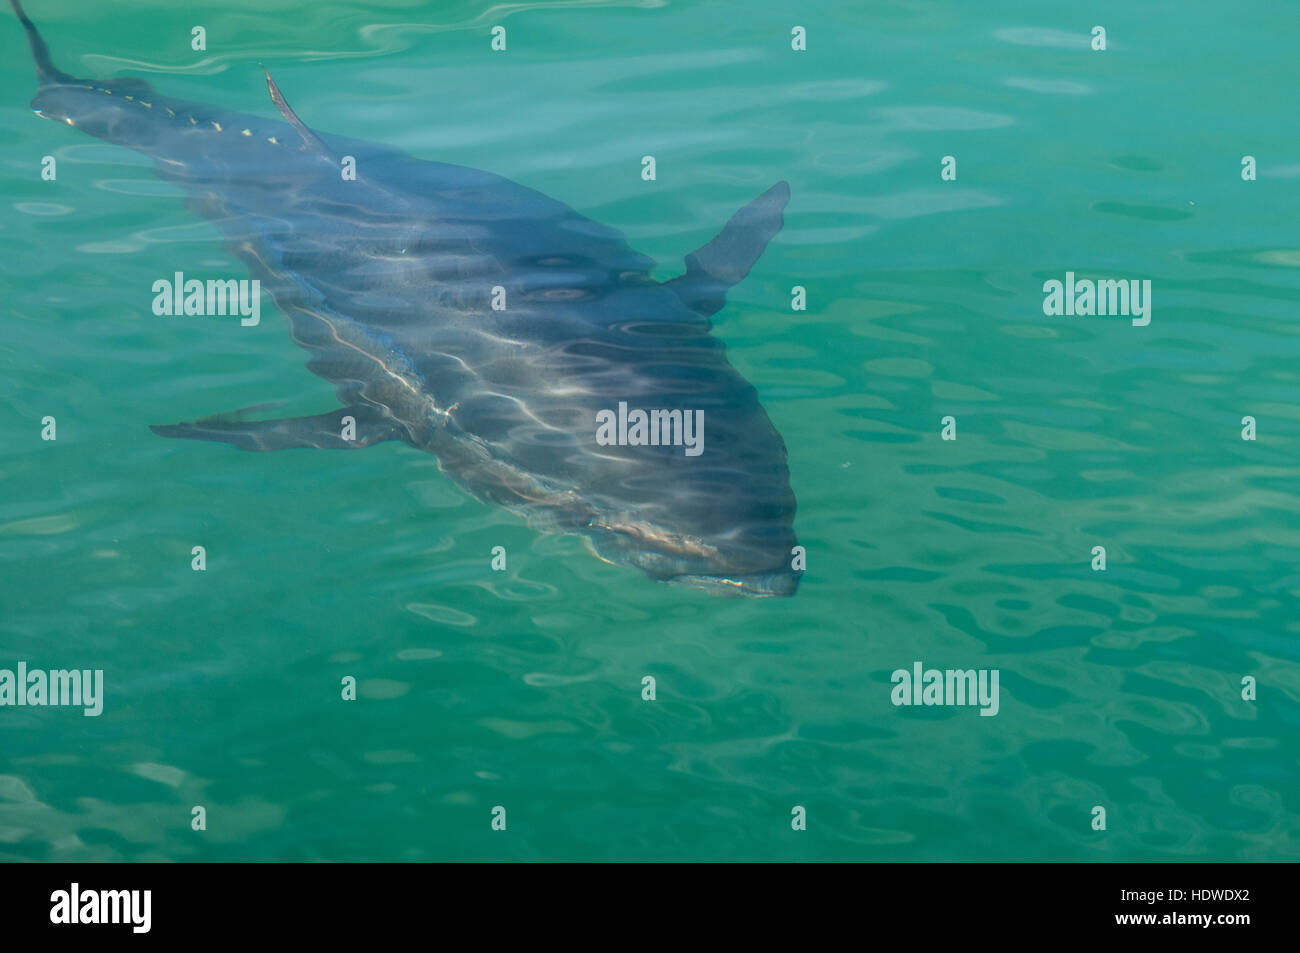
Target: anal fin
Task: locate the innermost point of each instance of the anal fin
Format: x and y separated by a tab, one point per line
323	431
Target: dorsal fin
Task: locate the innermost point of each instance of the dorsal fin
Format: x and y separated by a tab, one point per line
713	268
309	138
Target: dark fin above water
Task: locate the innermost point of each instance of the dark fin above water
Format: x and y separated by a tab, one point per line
309	138
46	72
322	432
715	267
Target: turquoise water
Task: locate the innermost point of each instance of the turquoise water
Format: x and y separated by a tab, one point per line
1119	688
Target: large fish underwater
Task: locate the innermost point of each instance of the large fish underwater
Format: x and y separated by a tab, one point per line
596	403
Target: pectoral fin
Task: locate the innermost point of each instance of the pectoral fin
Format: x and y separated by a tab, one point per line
715	267
331	431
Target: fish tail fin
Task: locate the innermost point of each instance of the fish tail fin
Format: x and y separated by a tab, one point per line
309	138
46	72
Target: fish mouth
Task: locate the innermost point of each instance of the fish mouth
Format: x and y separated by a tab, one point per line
774	583
668	554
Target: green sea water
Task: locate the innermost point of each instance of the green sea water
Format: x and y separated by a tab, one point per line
1120	689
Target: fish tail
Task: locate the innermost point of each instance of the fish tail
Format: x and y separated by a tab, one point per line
46	72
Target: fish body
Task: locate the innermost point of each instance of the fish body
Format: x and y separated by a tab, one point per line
487	324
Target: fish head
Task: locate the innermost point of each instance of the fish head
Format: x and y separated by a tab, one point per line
755	560
719	574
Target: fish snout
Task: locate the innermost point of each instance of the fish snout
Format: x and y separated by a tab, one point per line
723	569
777	582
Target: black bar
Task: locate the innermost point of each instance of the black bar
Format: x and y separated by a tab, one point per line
956	902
